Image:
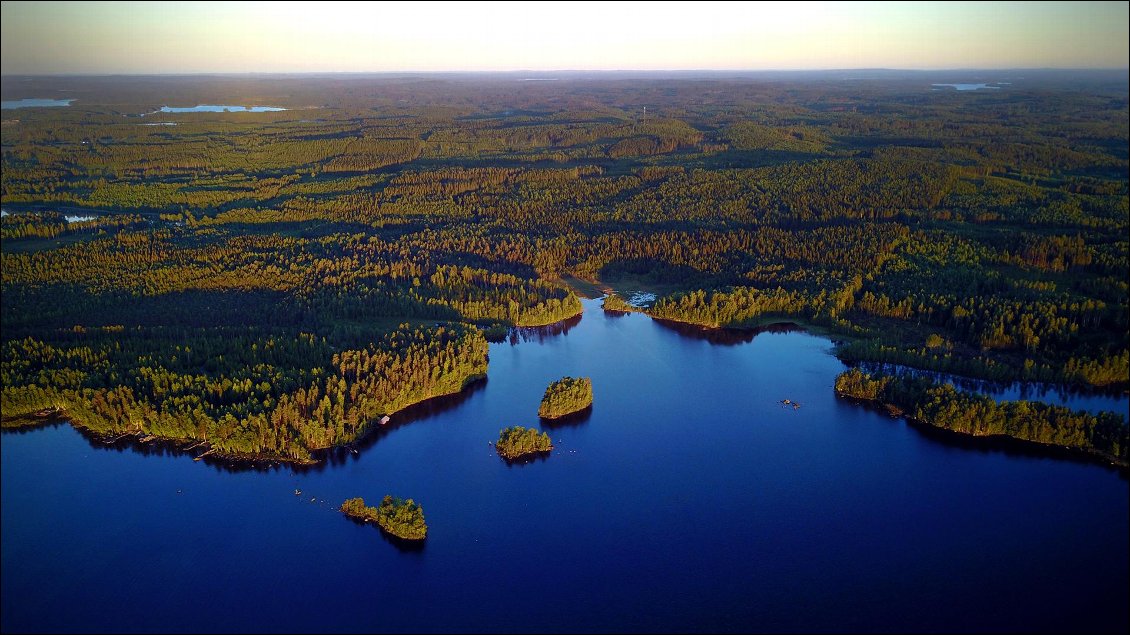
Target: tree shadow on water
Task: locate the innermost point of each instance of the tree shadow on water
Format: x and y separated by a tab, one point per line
725	336
426	409
571	420
402	545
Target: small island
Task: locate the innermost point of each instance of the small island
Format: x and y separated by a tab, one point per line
515	442
566	396
403	519
613	302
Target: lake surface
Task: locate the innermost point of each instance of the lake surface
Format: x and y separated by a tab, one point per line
689	499
34	103
966	86
220	108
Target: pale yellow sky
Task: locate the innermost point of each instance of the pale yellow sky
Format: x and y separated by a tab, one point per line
238	37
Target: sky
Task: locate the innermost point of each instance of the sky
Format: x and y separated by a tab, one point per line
253	37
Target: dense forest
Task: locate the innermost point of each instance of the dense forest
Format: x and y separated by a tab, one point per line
270	284
566	396
943	406
516	442
401	518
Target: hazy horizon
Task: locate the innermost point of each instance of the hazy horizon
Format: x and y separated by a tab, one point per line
578	71
240	38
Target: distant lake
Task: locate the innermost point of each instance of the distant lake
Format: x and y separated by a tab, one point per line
219	108
34	103
966	86
688	499
69	218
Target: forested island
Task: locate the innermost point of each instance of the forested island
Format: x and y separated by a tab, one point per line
943	406
269	284
517	442
565	397
403	519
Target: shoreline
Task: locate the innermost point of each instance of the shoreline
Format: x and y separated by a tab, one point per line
520	459
991	441
735	334
362	519
140	439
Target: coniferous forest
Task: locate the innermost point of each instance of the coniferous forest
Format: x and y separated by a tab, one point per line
566	396
271	284
943	406
516	442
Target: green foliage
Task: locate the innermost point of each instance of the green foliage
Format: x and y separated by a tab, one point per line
516	441
566	396
401	518
943	406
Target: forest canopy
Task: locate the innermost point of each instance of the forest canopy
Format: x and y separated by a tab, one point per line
516	442
566	396
270	284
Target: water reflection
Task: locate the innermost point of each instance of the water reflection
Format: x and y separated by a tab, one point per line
418	412
519	334
161	448
725	336
1010	446
402	545
335	456
571	420
526	459
1077	398
996	444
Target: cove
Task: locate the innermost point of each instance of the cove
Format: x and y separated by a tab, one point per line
687	499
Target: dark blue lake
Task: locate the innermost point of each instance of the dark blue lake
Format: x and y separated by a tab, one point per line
689	500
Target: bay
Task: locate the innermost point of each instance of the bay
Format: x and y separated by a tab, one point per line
689	499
